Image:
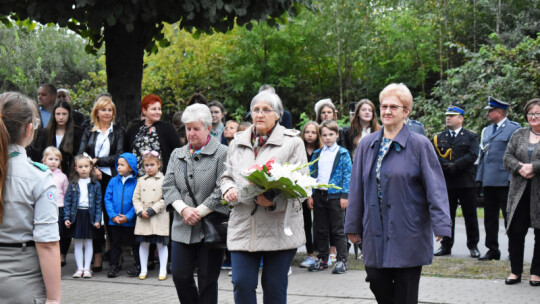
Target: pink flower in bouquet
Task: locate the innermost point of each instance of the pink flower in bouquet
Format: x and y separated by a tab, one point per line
269	164
254	168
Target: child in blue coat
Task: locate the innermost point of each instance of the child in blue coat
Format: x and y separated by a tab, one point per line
119	205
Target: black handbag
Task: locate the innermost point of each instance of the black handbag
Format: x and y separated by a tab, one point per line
214	224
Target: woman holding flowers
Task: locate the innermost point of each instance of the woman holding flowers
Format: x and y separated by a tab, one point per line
257	226
191	187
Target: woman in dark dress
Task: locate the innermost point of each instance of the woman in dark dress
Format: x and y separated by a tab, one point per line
151	134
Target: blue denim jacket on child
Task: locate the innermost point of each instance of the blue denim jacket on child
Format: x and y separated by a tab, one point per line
341	173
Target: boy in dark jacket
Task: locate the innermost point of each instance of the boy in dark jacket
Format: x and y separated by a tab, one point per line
119	205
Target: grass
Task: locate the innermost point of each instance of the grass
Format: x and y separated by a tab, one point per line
451	268
479	212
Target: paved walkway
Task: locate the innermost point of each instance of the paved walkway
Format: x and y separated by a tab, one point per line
304	287
307	287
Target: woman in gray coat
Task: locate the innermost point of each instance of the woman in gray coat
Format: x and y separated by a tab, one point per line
522	160
203	158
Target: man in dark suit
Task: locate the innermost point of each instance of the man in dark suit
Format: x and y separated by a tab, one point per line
457	150
491	173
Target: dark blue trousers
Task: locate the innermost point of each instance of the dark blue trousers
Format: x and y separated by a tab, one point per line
185	257
274	280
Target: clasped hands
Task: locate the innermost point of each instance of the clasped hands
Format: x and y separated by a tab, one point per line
120	219
191	216
526	170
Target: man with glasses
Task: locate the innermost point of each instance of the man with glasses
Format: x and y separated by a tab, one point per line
491	173
457	150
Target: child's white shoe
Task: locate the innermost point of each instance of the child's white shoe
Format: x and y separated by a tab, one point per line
78	274
87	274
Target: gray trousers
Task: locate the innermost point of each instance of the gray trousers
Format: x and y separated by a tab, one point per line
20	276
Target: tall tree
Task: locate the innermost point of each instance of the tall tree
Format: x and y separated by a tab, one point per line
130	27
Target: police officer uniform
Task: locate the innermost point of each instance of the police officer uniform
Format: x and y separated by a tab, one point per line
415	126
493	176
457	152
30	215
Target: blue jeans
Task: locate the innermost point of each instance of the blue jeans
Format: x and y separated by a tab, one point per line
274	280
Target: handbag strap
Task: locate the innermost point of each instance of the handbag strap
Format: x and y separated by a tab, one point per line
188	186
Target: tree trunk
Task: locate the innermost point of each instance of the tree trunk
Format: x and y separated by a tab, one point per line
124	53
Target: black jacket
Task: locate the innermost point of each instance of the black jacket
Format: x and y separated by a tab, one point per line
67	158
459	170
116	141
168	139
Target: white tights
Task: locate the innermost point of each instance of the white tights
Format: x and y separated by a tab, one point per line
87	253
163	256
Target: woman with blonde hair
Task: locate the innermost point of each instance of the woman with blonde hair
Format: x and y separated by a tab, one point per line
395	203
103	141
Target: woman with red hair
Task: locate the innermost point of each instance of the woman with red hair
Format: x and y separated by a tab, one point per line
151	133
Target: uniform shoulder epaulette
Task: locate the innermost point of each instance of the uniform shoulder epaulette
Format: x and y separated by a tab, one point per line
514	123
470	131
40	166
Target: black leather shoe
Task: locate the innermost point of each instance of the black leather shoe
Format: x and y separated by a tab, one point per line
475	253
490	255
134	271
442	251
113	272
97	268
534	283
513	281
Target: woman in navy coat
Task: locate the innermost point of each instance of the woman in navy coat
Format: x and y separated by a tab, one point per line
397	202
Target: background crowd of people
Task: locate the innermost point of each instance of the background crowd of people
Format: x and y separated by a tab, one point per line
153	184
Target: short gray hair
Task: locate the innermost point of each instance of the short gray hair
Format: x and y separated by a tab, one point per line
197	112
271	98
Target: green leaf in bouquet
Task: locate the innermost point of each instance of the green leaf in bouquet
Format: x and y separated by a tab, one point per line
258	178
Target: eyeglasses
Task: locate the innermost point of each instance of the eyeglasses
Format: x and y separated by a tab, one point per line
533	115
261	111
391	107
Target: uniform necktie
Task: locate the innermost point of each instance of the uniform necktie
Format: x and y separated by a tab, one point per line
453	134
494	128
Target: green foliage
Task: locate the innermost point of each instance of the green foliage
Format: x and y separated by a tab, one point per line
85	91
510	74
304	119
30	56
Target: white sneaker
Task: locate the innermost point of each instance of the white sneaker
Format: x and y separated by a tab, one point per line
290	271
308	261
87	274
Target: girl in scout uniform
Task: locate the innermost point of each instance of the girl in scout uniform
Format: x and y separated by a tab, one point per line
29	250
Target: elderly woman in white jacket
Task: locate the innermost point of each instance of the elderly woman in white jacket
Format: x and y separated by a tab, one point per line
256	226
